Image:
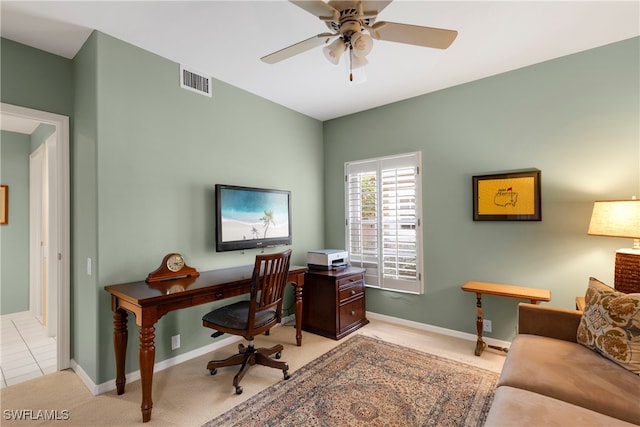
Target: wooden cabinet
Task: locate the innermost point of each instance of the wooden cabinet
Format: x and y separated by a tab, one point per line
333	302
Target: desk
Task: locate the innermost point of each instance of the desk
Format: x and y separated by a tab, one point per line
532	294
150	301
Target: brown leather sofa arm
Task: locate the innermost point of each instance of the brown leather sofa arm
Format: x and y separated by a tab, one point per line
549	322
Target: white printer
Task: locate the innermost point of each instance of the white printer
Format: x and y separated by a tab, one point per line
327	259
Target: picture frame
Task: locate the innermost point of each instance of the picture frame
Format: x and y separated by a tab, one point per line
4	204
507	196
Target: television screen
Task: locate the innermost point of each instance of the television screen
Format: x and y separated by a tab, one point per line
248	217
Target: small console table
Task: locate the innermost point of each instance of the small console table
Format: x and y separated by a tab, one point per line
532	294
150	301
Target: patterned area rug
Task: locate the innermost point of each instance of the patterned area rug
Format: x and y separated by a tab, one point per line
368	382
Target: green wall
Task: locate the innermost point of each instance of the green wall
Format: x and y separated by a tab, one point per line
35	79
14	236
146	166
146	155
40	135
84	293
575	118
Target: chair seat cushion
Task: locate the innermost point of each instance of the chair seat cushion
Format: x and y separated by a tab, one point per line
236	315
572	373
517	407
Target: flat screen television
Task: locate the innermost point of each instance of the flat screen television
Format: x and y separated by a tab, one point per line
249	217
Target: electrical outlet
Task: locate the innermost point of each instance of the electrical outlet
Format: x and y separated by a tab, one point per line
486	325
175	342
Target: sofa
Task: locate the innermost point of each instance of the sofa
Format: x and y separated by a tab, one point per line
549	378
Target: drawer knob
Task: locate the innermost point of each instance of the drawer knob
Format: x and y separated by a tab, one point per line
353	312
353	291
219	295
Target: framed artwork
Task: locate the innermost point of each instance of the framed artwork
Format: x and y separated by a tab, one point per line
4	204
508	196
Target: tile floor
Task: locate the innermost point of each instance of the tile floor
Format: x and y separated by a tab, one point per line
25	350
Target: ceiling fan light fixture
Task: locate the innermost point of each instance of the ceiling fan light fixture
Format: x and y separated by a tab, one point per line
355	67
357	75
334	50
361	44
354	25
358	61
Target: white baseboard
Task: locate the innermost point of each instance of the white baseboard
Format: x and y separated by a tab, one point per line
437	329
107	386
88	382
287	319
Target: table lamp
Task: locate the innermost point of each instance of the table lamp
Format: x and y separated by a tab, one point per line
620	218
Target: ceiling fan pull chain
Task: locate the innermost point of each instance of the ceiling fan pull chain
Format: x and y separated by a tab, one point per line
350	63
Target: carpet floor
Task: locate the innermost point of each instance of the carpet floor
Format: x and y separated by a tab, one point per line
369	382
186	395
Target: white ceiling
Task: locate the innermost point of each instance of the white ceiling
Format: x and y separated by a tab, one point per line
225	39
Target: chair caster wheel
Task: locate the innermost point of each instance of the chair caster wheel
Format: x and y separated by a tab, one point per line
213	371
286	375
238	389
278	355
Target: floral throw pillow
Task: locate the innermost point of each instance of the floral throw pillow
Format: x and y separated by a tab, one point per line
610	324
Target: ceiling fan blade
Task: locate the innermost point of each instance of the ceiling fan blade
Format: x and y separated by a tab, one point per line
318	8
374	7
298	48
414	34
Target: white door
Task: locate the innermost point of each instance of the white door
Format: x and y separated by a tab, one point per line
51	237
43	241
37	235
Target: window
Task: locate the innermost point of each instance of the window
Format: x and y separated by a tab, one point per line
383	210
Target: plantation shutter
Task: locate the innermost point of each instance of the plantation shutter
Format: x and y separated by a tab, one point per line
383	221
362	218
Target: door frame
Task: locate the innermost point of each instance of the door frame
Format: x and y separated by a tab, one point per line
62	223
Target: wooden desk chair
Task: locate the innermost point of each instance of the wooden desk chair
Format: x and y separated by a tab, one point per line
253	317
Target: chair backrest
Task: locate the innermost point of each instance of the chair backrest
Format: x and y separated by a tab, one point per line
267	288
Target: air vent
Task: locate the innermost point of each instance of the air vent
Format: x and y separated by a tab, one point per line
194	81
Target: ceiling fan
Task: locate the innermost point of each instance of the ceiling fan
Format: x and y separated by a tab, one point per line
348	21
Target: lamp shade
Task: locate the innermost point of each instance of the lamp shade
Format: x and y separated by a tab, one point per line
616	218
334	50
361	44
358	62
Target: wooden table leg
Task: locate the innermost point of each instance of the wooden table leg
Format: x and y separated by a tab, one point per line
120	337
147	355
480	345
298	292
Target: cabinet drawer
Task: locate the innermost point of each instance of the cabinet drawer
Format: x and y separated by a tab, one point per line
219	295
351	313
349	279
351	290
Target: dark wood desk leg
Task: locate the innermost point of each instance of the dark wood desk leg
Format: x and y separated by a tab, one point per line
298	289
147	356
120	337
480	345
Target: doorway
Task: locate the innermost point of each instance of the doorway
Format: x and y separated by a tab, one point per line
56	270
